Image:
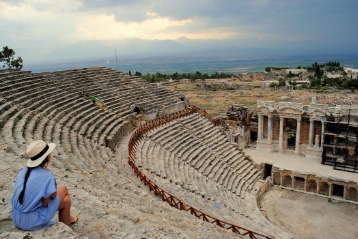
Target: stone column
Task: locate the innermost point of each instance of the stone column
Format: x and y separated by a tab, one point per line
322	134
260	127
270	129
345	191
298	134
316	141
311	133
293	181
280	140
330	190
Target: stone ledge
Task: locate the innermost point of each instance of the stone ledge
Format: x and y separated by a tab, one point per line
59	230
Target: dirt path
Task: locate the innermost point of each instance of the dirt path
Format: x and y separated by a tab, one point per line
308	216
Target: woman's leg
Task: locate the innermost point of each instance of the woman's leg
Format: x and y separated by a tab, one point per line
64	209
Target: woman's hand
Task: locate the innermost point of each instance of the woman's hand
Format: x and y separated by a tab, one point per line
45	201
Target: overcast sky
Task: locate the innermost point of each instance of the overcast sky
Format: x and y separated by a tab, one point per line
254	23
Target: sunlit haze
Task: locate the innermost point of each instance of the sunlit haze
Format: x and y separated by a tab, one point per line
40	28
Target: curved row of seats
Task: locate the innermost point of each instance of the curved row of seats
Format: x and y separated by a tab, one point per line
51	106
206	149
194	161
47	106
41	94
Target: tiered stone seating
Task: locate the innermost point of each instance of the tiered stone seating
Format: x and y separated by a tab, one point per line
188	157
196	189
191	156
48	105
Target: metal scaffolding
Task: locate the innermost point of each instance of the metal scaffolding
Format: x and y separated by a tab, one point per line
340	146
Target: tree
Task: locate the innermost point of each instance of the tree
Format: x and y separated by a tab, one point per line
281	82
268	69
273	85
17	63
318	72
7	56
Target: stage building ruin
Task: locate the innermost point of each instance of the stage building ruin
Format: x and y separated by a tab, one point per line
319	131
291	126
239	124
315	130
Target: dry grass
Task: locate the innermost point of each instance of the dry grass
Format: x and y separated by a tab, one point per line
217	102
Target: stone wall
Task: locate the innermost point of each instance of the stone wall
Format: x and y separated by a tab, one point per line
263	189
276	128
304	134
174	108
265	134
113	140
315	184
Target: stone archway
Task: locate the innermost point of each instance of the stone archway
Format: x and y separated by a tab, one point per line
299	183
324	188
287	181
311	186
337	190
352	194
290	134
136	110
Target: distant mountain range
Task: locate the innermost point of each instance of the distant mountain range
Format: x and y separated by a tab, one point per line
135	47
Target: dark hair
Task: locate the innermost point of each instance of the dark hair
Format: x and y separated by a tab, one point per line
27	175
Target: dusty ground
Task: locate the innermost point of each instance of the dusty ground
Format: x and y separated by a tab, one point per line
308	216
217	102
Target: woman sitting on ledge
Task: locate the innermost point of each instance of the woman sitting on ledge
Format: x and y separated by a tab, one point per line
37	198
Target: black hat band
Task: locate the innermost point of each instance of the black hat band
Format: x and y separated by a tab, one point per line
39	155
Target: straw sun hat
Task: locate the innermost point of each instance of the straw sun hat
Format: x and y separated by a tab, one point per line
38	151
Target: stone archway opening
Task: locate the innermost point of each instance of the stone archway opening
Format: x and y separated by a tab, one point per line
352	194
311	186
253	138
267	170
136	110
323	188
287	181
299	183
290	130
337	190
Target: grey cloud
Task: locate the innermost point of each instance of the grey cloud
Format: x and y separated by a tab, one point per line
103	4
12	1
215	13
130	15
176	9
235	11
331	22
123	11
